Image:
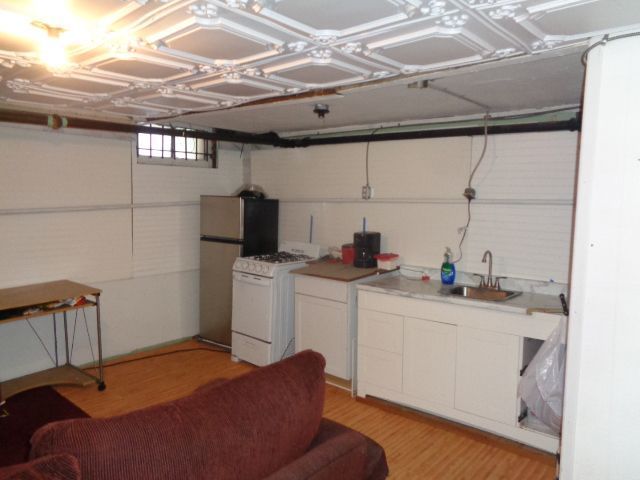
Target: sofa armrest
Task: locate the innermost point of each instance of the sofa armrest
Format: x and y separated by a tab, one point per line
340	456
50	467
376	467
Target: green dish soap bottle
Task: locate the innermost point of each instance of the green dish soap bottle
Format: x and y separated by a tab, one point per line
448	269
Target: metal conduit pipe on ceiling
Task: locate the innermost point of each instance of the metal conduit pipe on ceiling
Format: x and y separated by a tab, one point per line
273	139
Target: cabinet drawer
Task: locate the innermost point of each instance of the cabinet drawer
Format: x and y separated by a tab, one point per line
383	331
250	350
380	368
321	288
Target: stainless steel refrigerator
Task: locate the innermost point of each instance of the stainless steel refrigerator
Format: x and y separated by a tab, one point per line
230	227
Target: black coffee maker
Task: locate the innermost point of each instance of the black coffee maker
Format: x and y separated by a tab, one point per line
365	245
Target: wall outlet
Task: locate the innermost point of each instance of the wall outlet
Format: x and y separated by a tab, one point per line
367	192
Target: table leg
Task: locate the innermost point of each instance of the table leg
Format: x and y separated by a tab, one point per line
66	337
101	385
55	338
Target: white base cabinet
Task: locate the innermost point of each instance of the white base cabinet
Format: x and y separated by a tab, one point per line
459	362
323	325
487	374
429	360
325	320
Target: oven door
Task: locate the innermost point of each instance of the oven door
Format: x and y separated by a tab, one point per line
252	312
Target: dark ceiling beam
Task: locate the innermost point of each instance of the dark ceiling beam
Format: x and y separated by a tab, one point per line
272	138
571	125
58	121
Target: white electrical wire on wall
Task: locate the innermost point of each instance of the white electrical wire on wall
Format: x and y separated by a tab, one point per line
473	172
366	157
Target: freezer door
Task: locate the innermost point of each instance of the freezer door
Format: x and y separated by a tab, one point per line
216	280
221	217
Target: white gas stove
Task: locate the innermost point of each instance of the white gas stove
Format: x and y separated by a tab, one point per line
262	322
267	265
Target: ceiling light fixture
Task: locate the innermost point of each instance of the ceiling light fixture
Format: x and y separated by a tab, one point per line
52	49
321	109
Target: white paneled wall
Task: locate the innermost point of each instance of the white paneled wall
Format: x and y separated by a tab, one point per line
523	212
166	239
160	184
537	167
40	170
84	246
79	206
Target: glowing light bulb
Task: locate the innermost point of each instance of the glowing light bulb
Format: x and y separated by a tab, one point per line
53	53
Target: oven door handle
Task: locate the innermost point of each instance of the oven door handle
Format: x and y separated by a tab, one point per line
251	279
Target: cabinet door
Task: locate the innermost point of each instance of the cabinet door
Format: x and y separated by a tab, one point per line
322	326
429	360
487	374
380	368
380	330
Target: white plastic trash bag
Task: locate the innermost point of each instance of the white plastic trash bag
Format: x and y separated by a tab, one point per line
542	384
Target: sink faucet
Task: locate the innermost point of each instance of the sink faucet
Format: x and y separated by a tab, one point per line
489	281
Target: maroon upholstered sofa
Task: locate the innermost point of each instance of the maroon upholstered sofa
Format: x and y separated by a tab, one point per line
266	424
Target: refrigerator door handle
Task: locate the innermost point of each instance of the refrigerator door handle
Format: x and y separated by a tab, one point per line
232	241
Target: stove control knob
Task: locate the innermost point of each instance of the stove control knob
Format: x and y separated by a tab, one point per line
252	267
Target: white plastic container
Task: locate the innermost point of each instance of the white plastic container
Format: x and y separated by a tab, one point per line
387	261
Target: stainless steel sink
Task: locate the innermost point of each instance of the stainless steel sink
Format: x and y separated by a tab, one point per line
478	293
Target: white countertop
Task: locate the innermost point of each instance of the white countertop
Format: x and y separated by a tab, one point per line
430	290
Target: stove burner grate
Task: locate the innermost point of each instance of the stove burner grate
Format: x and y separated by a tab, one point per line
281	257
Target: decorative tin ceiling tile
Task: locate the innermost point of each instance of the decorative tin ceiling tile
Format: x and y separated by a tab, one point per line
139	66
234	85
567	20
314	15
216	44
14	43
81	84
227	52
178	101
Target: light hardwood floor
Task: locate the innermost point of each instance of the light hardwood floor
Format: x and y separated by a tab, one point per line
417	446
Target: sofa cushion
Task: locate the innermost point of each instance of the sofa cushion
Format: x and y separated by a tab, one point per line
245	428
50	467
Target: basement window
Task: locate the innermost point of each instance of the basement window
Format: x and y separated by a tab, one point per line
176	147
